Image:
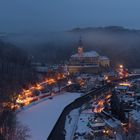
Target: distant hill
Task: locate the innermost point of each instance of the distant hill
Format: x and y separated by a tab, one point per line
106	28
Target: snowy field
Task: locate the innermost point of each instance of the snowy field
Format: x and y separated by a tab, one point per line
42	117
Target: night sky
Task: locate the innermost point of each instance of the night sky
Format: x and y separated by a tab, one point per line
57	15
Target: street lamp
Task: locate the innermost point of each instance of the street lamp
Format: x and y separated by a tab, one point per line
121	66
69	82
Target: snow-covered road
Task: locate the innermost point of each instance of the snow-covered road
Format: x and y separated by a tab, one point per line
42	117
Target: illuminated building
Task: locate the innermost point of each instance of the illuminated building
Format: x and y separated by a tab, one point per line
87	62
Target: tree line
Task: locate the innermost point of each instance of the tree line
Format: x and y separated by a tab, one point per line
16	73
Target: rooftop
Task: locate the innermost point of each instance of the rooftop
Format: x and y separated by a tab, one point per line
104	58
87	54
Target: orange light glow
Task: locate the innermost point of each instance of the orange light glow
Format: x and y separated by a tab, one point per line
108	96
125	84
38	87
101	103
100	106
69	82
106	77
121	66
98	109
50	81
27	96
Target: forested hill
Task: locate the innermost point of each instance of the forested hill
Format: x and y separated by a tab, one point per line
15	70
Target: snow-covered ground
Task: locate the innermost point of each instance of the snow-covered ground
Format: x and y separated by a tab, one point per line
86	120
42	117
71	123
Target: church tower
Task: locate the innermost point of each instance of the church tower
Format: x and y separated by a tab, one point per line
80	48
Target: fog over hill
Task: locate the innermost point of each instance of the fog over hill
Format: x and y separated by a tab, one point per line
121	45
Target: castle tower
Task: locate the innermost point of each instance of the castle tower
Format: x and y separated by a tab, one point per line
80	48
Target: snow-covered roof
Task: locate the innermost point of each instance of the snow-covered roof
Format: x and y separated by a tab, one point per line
128	99
122	87
87	54
112	123
104	58
135	115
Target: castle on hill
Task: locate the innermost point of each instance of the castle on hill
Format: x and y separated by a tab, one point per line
87	62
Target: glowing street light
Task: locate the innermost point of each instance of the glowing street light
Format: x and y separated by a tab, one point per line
106	77
69	82
121	66
38	87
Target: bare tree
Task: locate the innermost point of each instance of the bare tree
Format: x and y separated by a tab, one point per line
21	132
10	128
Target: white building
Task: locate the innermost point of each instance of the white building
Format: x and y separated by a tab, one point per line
87	61
104	61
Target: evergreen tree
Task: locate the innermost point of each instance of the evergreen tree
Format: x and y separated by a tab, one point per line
114	102
117	107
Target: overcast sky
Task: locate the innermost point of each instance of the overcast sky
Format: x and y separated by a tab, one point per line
56	15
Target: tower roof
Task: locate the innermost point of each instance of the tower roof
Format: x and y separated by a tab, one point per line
87	54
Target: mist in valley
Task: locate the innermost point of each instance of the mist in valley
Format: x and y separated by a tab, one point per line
121	45
44	29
